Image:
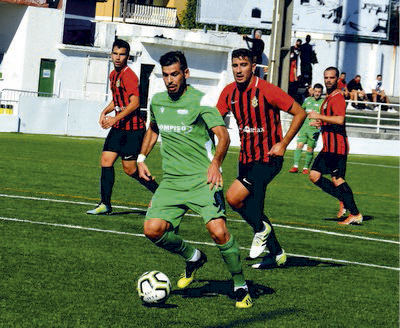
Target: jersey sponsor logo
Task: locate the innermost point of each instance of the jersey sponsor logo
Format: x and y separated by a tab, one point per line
248	129
175	128
182	111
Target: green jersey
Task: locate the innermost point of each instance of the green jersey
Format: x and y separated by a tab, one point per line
310	104
187	148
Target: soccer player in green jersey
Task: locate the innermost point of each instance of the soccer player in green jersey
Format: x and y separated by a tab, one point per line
308	135
192	177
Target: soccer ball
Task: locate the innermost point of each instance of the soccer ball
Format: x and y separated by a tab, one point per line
153	287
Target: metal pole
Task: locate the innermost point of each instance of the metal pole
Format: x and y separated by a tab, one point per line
124	12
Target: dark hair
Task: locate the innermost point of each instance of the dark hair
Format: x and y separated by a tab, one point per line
173	57
243	53
299	40
121	44
308	38
343	73
358	76
318	86
379	75
332	68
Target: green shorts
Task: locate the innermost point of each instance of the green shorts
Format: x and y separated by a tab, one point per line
175	196
308	136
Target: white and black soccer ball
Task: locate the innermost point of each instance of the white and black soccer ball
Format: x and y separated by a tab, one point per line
153	287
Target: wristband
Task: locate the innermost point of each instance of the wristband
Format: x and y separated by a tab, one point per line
141	158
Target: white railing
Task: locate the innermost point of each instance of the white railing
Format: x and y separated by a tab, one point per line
375	115
150	15
9	99
380	118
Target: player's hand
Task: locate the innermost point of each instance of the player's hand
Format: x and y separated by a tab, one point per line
278	149
313	114
214	176
108	122
144	171
316	123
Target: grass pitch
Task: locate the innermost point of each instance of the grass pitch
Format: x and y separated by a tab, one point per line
63	268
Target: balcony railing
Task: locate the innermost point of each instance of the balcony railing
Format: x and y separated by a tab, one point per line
150	15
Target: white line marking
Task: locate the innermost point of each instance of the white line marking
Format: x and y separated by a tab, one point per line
189	241
195	215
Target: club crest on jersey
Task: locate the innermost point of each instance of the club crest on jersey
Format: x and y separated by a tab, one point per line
254	102
118	83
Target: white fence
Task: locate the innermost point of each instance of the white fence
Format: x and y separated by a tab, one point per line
150	15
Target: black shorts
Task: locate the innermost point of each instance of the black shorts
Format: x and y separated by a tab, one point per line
257	175
126	144
330	163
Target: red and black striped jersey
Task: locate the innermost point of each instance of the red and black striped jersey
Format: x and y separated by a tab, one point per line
334	135
125	84
257	115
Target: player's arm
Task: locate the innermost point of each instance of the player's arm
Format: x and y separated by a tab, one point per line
328	119
214	176
299	116
149	140
133	105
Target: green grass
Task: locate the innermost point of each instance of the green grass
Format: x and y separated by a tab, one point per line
63	268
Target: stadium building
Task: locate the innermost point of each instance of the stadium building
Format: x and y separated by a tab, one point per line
54	58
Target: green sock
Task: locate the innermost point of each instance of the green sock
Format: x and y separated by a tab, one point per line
174	243
231	256
297	156
308	159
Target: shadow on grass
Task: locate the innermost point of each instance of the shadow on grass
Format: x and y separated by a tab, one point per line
294	261
221	287
140	212
365	218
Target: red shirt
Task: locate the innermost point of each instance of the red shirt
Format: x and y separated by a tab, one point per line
341	84
257	115
125	84
334	135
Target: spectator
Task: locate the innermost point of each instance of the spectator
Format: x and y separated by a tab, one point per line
356	91
293	80
342	85
306	57
379	95
257	49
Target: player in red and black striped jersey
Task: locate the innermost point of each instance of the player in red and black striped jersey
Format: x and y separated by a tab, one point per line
333	156
128	127
256	105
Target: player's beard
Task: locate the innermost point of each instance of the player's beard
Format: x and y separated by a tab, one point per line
176	95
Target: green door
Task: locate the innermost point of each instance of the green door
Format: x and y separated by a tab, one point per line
46	78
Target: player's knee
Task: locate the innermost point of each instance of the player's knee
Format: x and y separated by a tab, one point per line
129	167
218	231
154	229
234	202
314	176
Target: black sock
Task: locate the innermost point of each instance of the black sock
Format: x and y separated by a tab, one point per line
255	220
106	184
347	198
251	216
151	185
328	186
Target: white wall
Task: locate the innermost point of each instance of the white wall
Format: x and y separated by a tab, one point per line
80	118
